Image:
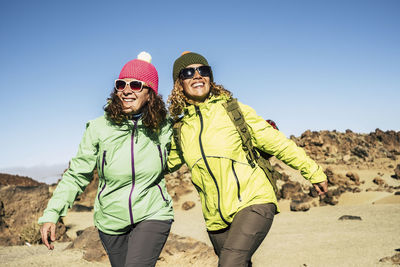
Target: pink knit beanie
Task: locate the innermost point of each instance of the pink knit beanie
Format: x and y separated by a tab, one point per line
141	69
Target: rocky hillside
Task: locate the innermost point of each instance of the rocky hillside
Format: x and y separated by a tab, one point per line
20	208
10	179
376	149
22	202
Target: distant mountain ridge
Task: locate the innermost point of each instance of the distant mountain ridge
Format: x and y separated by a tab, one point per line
48	174
10	179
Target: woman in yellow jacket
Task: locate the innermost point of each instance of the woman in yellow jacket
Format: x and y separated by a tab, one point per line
238	201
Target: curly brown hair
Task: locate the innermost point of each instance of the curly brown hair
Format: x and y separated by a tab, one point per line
178	101
154	111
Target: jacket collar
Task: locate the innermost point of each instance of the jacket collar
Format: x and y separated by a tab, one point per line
191	109
129	125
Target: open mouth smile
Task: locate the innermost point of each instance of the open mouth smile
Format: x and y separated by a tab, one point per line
198	85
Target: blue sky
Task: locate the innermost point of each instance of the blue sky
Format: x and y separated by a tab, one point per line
319	65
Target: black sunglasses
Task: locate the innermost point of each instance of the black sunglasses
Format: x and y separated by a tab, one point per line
188	73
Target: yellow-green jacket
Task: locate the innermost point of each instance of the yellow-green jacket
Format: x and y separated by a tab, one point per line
212	149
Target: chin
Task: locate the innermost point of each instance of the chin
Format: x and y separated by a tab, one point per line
128	110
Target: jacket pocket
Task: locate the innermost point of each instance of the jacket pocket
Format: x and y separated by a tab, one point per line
162	158
201	194
237	181
162	195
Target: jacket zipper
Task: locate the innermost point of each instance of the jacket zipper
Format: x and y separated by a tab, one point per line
208	167
102	173
133	170
162	167
237	181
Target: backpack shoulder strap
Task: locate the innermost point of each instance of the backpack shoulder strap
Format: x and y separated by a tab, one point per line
176	128
235	114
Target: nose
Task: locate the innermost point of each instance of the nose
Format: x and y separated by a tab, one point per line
127	90
196	74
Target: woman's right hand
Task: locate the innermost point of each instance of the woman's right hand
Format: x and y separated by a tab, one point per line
47	228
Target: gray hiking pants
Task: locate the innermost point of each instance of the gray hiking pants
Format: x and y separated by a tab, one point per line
141	246
236	244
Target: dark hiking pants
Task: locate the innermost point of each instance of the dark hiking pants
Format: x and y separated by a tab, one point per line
235	245
141	246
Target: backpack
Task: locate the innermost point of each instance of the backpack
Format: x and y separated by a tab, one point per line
253	154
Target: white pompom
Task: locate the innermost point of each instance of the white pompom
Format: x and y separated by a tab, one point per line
144	56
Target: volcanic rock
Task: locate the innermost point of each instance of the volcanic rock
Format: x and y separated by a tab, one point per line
88	241
332	147
299	206
179	183
329	198
186	251
349	217
20	209
395	259
187	205
397	172
378	181
354	177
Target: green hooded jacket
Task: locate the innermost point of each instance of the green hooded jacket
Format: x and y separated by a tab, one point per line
130	161
212	150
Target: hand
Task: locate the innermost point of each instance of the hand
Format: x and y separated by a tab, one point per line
47	228
321	187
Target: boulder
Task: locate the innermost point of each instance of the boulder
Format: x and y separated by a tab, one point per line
379	181
186	251
299	206
397	172
329	199
291	190
187	205
89	241
354	177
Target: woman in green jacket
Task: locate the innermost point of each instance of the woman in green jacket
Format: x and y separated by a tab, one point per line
129	145
238	201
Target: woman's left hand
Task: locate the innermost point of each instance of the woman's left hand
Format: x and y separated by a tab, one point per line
321	187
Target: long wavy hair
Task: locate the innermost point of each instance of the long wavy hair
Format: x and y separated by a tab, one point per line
154	111
177	100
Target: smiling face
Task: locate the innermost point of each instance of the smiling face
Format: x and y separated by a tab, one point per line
133	102
196	88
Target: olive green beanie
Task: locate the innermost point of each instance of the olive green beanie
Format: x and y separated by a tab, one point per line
187	58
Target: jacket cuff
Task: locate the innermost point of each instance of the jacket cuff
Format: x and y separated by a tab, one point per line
49	217
318	177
